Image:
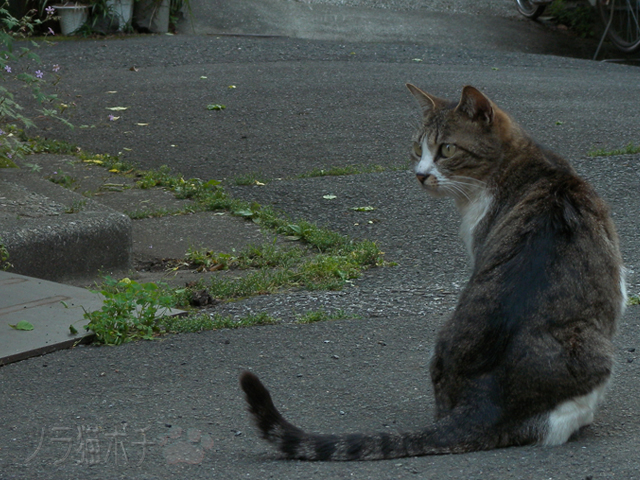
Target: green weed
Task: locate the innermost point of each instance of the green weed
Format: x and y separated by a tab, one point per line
7	163
202	322
76	206
193	188
65	181
43	145
315	316
251	179
344	170
131	311
160	212
4	257
259	282
629	149
323	259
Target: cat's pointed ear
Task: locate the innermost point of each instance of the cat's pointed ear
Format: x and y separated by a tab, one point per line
427	102
476	105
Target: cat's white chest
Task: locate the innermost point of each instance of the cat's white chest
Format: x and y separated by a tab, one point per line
472	214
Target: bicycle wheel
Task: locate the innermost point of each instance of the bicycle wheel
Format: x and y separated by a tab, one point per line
529	9
624	15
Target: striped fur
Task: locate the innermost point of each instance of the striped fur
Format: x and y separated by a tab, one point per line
527	354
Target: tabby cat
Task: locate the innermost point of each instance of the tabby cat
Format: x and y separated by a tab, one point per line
527	354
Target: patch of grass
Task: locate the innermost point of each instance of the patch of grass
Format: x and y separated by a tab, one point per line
66	181
253	256
344	170
76	206
336	171
112	163
269	255
4	257
259	282
160	212
328	272
7	163
629	149
201	322
327	263
251	179
633	300
315	316
192	188
57	147
323	259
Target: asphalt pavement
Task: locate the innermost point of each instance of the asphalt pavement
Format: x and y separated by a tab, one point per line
172	408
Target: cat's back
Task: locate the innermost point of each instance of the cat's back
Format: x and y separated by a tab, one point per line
548	247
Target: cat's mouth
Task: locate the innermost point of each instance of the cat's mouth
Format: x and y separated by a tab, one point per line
429	183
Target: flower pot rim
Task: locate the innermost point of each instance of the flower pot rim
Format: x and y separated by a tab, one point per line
71	5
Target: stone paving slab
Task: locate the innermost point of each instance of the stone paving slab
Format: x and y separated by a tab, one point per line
50	307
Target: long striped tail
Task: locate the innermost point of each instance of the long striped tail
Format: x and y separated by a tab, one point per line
446	436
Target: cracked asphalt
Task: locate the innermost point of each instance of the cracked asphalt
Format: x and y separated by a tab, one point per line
173	406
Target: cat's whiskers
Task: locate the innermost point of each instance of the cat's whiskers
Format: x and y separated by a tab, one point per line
462	187
469	181
454	189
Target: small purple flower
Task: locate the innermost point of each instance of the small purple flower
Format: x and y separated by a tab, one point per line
56	68
7	68
51	32
2	132
111	118
39	73
50	10
9	156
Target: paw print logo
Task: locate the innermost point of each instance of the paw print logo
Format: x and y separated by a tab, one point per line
179	446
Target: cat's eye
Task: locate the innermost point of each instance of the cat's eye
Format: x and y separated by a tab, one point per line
417	149
447	150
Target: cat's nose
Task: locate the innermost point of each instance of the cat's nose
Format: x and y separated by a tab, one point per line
421	177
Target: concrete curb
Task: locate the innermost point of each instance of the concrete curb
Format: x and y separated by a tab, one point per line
55	234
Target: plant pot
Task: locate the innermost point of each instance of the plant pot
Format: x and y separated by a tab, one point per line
123	11
72	17
152	15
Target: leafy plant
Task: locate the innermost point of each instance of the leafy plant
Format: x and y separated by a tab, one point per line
20	66
4	257
66	181
131	311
